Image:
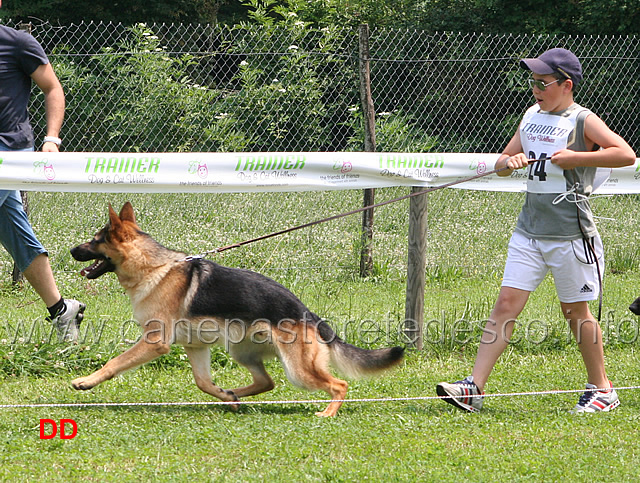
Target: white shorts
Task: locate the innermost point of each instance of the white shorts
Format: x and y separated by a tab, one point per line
571	263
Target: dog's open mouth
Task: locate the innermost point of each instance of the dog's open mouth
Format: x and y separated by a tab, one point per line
100	266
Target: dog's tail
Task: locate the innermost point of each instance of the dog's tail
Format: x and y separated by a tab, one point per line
353	361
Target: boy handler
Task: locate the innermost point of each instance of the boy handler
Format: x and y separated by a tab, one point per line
555	230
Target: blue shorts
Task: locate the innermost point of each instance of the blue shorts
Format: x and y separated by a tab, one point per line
16	233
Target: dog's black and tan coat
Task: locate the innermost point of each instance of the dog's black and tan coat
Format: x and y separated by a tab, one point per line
197	303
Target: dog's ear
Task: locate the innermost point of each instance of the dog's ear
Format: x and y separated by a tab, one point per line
127	214
114	219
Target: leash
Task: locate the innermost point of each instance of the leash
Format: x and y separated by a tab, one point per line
353	212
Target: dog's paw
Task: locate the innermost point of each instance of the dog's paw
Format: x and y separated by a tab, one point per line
232	397
324	414
81	384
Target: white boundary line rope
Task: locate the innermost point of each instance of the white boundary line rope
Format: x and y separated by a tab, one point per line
282	402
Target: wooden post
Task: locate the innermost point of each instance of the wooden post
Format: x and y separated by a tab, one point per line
366	256
416	266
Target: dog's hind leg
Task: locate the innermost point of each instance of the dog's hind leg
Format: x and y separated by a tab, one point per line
200	359
262	381
139	354
321	378
306	362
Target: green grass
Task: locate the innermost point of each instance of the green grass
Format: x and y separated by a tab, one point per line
526	438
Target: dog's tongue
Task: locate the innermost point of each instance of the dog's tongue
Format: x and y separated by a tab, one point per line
87	270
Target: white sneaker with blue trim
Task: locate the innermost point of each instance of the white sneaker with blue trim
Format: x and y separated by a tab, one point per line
462	394
593	401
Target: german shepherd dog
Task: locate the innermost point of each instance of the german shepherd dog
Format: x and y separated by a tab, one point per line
197	303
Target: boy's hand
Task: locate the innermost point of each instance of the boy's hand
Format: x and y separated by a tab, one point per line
516	161
566	159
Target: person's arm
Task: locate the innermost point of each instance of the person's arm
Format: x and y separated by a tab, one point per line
615	152
54	102
512	157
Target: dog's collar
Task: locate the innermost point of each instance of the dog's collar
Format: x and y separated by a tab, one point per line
190	258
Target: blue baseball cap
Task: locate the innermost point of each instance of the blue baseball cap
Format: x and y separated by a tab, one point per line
556	61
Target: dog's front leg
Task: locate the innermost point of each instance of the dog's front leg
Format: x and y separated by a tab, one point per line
143	351
200	359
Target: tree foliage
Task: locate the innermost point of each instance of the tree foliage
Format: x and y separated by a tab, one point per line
126	11
286	79
573	17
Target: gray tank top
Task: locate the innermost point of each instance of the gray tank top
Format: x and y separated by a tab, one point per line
546	213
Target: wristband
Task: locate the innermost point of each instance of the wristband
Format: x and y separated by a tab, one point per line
53	139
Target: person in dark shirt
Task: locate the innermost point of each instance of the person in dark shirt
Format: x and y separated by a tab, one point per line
22	60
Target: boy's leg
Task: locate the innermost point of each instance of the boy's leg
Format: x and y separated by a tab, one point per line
577	267
588	335
600	395
467	394
524	270
497	332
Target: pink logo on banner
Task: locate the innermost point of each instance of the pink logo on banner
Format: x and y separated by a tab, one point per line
346	167
203	171
49	173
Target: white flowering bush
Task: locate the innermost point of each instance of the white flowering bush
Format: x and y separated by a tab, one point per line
293	91
138	97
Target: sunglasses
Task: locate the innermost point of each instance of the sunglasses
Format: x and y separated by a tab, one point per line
541	84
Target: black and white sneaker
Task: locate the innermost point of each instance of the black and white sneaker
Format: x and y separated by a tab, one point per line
593	401
67	321
463	394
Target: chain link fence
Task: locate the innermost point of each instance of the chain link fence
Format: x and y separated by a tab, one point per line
208	88
287	87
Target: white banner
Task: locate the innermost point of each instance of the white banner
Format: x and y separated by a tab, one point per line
244	172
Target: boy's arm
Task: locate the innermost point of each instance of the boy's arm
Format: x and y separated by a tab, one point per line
512	157
615	152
